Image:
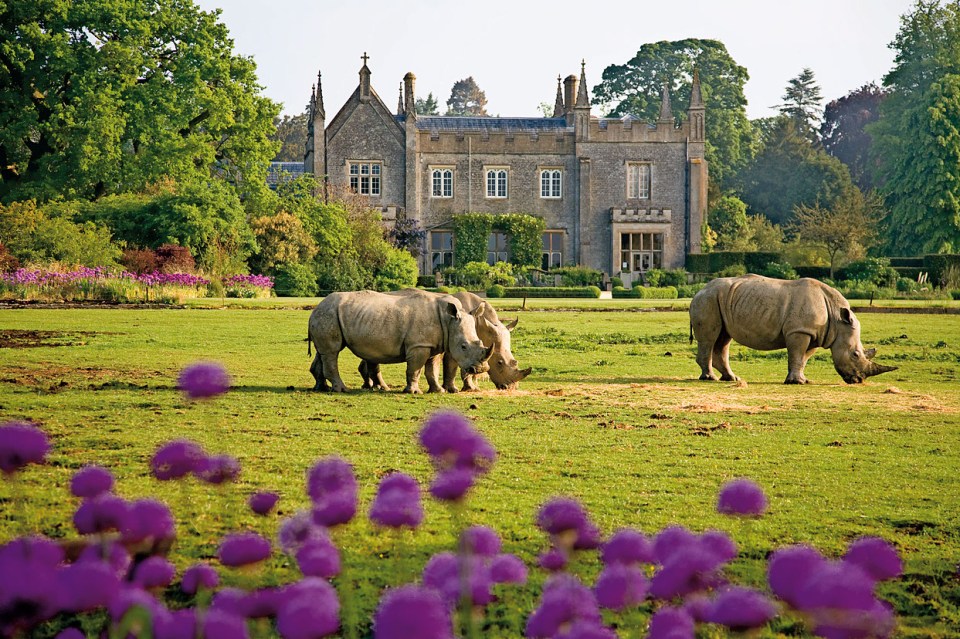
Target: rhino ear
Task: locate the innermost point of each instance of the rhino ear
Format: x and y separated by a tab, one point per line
845	316
511	324
870	353
479	311
452	309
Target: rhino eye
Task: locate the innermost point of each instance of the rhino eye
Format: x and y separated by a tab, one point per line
463	345
501	360
856	355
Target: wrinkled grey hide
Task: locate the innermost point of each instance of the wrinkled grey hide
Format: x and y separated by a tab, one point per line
766	314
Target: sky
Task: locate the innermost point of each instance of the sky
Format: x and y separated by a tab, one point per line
515	50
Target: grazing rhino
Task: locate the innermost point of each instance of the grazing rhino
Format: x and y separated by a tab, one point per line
417	329
504	371
767	314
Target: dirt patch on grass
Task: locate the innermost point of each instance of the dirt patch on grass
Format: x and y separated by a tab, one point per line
16	338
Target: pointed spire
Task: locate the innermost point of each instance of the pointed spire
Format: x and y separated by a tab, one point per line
318	97
400	101
558	104
666	111
364	79
696	97
583	99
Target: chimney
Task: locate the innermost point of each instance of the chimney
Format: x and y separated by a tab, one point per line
569	93
409	98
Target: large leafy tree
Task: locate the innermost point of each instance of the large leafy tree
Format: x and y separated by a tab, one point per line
291	133
636	86
105	96
843	131
427	105
917	139
850	223
466	98
801	103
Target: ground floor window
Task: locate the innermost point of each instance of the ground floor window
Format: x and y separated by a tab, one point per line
441	250
640	252
552	250
497	248
365	178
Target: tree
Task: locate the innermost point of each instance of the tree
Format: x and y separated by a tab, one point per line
849	223
916	139
843	132
106	97
426	106
466	98
728	219
281	239
801	103
33	235
406	234
291	133
635	88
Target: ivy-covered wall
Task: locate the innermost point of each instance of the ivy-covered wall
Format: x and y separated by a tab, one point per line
472	230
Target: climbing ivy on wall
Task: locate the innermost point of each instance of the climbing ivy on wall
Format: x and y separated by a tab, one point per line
472	230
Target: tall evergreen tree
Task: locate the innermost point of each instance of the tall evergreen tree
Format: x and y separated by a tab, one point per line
427	106
801	103
843	131
466	98
291	132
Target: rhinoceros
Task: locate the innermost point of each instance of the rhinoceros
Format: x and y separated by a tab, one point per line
417	329
504	371
766	314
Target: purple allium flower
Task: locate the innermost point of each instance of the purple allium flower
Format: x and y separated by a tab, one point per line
789	570
203	380
176	459
553	560
133	596
28	581
560	515
741	497
698	606
91	481
621	586
627	546
442	573
588	537
153	572
397	503
411	611
876	556
310	609
101	514
71	633
220	624
684	573
86	585
297	530
232	600
241	549
319	558
263	602
452	484
564	601
508	569
21	444
263	502
148	519
720	544
217	469
836	585
199	576
452	442
581	629
479	540
672	540
741	609
176	624
332	487
112	554
670	623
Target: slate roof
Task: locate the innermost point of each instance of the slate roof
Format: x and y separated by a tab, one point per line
458	123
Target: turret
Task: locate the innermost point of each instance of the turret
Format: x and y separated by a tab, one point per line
558	104
314	159
581	109
696	111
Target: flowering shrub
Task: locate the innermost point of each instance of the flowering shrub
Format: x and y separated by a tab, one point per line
118	576
248	286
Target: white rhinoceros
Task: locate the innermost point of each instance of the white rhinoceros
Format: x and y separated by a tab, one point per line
767	314
504	371
417	329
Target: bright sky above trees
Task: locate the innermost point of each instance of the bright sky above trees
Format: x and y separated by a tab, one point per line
515	50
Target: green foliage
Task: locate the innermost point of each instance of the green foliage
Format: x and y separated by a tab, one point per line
872	270
496	291
553	291
426	106
472	231
281	239
406	234
480	275
779	270
399	271
579	276
848	225
844	134
801	103
635	88
660	277
647	292
294	280
765	236
291	132
689	290
466	98
754	261
944	269
733	270
728	218
33	237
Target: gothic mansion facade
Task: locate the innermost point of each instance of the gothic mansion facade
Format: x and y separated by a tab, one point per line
618	195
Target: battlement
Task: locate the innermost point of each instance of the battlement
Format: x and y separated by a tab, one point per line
641	215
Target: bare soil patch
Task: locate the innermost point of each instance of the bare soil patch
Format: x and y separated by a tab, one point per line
17	338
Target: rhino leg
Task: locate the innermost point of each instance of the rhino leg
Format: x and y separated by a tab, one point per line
431	369
705	355
371	375
450	367
416	360
364	370
721	357
798	352
316	369
331	371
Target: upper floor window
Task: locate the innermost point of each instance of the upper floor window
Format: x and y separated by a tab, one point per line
365	177
550	183
497	248
497	182
441	249
552	250
441	182
638	181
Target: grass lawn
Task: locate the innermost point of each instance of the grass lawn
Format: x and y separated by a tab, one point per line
612	414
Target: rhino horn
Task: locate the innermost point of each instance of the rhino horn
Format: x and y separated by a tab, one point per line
525	372
876	369
511	324
489	352
870	353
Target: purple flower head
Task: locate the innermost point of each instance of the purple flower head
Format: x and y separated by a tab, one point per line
741	609
411	611
114	555
581	629
627	546
720	544
508	569
621	586
332	487
176	624
588	537
28	580
879	621
176	459
452	484
836	586
220	624
479	540
232	600
789	570
263	602
741	497
452	442
553	560
670	623
130	597
876	556
86	585
91	481
442	574
564	601
203	380
241	549
71	633
308	609
263	502
153	572
560	515
685	573
319	558
672	540
199	576
21	444
397	503
698	606
218	469
101	514
298	529
148	519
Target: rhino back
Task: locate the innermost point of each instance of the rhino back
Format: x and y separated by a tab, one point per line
381	328
759	312
489	328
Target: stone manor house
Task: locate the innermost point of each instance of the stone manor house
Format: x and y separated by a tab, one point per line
618	195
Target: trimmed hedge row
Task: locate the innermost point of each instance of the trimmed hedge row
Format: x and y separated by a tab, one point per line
646	292
719	260
551	291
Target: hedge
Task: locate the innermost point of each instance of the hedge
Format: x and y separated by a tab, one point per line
647	292
818	272
754	261
552	291
937	265
911	262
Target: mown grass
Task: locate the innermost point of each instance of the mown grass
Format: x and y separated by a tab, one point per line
612	415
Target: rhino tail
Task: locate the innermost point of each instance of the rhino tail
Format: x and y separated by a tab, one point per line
309	341
691	331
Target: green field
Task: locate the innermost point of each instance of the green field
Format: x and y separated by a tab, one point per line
612	414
